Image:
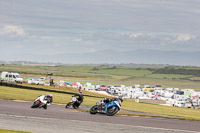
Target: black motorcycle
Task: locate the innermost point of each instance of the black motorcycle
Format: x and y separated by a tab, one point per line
74	103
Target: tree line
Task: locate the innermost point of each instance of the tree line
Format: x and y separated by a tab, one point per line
181	71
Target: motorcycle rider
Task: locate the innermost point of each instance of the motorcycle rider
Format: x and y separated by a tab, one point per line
79	99
107	100
110	106
45	100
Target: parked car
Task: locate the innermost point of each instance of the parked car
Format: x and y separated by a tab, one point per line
39	81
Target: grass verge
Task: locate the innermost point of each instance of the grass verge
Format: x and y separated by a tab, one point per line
11	131
11	93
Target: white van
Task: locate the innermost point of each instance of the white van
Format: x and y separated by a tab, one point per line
11	77
179	104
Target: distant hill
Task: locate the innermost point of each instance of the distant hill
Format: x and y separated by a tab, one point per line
62	64
137	58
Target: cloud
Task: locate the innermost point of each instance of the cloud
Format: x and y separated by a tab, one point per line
45	37
184	37
13	30
145	35
130	35
19	46
84	26
76	40
84	42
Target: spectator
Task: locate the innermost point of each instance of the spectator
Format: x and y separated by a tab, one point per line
79	88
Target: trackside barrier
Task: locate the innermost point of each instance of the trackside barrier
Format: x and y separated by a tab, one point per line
40	89
151	101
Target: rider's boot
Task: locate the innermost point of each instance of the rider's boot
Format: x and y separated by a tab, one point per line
45	106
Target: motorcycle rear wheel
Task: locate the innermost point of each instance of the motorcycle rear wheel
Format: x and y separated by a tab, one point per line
111	112
94	110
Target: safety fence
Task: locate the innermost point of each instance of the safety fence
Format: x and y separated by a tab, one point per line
15	85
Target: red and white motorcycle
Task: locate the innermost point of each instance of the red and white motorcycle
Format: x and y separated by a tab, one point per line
42	101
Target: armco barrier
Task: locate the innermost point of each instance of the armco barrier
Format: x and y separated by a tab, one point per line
35	88
152	101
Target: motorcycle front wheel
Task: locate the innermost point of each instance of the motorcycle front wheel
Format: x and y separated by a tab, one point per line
111	111
68	105
75	107
35	104
94	110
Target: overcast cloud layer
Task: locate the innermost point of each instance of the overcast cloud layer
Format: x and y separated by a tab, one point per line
101	31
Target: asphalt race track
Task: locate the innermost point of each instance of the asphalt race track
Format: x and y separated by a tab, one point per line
57	119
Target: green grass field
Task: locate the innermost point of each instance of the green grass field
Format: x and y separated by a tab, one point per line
11	131
134	75
6	93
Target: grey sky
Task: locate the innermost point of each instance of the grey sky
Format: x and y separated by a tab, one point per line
29	29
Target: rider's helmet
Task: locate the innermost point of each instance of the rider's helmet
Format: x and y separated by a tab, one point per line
50	97
81	93
106	100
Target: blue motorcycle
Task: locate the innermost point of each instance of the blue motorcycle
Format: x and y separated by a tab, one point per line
107	106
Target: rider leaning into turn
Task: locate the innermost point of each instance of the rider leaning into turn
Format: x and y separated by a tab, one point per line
80	97
107	100
45	99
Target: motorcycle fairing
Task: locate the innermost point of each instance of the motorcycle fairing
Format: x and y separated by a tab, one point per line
113	104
